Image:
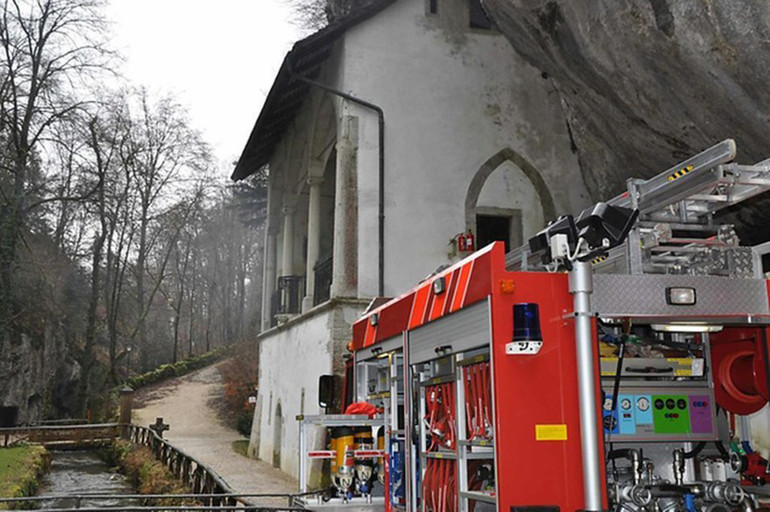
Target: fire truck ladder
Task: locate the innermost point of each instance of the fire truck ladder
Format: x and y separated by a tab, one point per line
676	232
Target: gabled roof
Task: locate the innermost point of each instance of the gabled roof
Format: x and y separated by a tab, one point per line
287	94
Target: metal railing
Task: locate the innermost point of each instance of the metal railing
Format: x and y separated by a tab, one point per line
287	300
275	305
323	281
157	502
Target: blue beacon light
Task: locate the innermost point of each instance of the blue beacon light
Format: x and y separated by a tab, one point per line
527	338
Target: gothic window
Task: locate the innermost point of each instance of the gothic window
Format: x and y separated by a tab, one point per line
478	18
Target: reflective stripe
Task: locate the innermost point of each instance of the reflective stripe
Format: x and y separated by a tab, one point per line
462	286
418	306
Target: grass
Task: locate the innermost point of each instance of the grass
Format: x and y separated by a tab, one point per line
241	447
20	468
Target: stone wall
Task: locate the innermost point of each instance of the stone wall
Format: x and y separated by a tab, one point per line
39	376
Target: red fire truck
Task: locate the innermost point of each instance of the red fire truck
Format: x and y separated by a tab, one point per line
620	361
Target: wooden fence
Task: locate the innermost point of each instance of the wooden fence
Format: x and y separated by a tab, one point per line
64	436
200	478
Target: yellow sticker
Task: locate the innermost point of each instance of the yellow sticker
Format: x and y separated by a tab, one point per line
680	360
681	172
551	432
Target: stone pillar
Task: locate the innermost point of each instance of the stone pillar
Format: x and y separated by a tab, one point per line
345	264
313	239
287	263
268	283
126	405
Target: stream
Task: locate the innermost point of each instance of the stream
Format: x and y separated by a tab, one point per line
81	472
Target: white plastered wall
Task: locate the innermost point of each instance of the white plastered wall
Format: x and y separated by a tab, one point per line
453	98
291	362
292	359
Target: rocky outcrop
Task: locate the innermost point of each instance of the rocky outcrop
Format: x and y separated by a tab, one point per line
647	83
39	377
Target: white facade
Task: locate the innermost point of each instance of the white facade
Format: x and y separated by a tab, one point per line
470	129
453	98
296	354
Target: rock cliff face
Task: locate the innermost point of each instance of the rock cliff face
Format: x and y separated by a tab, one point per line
39	377
647	83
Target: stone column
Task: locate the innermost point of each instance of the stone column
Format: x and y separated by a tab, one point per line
126	404
287	263
268	284
313	239
345	264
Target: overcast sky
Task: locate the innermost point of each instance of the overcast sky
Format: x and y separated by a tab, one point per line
218	57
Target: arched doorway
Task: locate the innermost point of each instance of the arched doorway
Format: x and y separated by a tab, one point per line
277	435
507	200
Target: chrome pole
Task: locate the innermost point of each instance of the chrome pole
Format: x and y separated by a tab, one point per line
581	286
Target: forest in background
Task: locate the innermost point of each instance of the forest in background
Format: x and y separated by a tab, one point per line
121	245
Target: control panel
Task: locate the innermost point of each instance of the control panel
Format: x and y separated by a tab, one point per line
660	414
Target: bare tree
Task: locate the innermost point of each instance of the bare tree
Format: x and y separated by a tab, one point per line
316	14
102	136
163	155
46	47
106	211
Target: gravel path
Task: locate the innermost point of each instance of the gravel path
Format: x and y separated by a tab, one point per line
183	403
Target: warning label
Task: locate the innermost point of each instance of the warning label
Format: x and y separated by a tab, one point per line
551	432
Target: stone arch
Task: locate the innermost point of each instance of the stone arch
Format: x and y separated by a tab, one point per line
321	172
328	190
494	163
324	131
277	435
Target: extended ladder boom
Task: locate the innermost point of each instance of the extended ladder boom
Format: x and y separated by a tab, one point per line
676	232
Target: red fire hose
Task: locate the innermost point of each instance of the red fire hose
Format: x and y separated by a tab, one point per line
440	417
478	400
439	485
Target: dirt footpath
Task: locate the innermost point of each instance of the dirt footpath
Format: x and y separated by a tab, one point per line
183	403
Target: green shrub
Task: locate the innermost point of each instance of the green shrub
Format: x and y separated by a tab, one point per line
149	475
169	371
244	423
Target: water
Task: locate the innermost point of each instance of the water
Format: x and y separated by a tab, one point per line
81	472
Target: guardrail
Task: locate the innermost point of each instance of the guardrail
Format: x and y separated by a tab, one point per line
154	502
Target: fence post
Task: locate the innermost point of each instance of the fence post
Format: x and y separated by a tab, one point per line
126	404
